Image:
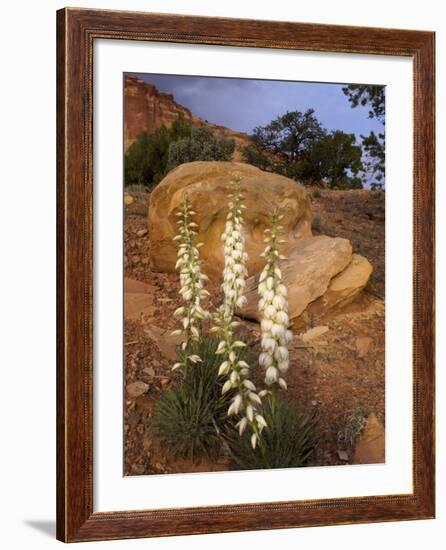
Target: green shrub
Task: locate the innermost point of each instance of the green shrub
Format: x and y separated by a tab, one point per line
202	144
189	419
252	154
355	422
306	151
287	441
316	223
183	422
316	194
145	162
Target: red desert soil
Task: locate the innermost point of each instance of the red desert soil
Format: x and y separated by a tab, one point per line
335	373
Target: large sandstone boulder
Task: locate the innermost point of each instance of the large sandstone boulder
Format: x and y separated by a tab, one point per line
310	266
208	185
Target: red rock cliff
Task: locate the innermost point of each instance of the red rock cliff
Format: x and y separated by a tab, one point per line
147	109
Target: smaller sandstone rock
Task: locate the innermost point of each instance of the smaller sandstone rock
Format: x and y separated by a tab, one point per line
128	199
371	447
343	456
314	333
310	266
137	304
135	389
165	381
141	232
131	285
363	345
165	342
138	299
345	286
149	371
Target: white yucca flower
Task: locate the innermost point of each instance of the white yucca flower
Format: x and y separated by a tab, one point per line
191	285
245	398
235	271
273	307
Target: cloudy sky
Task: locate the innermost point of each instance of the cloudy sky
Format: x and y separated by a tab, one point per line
244	104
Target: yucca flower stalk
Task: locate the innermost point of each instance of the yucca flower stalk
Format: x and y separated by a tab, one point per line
273	306
246	399
235	256
191	280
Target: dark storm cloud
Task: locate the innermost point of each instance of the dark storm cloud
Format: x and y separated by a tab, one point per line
244	104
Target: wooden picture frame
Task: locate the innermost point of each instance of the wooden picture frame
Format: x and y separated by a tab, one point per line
77	29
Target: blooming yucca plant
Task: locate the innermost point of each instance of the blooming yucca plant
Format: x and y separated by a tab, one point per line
273	306
216	384
191	281
246	399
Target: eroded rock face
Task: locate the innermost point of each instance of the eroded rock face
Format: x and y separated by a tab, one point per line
310	266
146	109
208	185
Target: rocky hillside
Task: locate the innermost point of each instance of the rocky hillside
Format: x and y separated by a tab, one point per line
146	109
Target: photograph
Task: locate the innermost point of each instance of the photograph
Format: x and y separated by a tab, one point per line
253	274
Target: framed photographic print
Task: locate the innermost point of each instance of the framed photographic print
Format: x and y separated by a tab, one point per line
245	275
